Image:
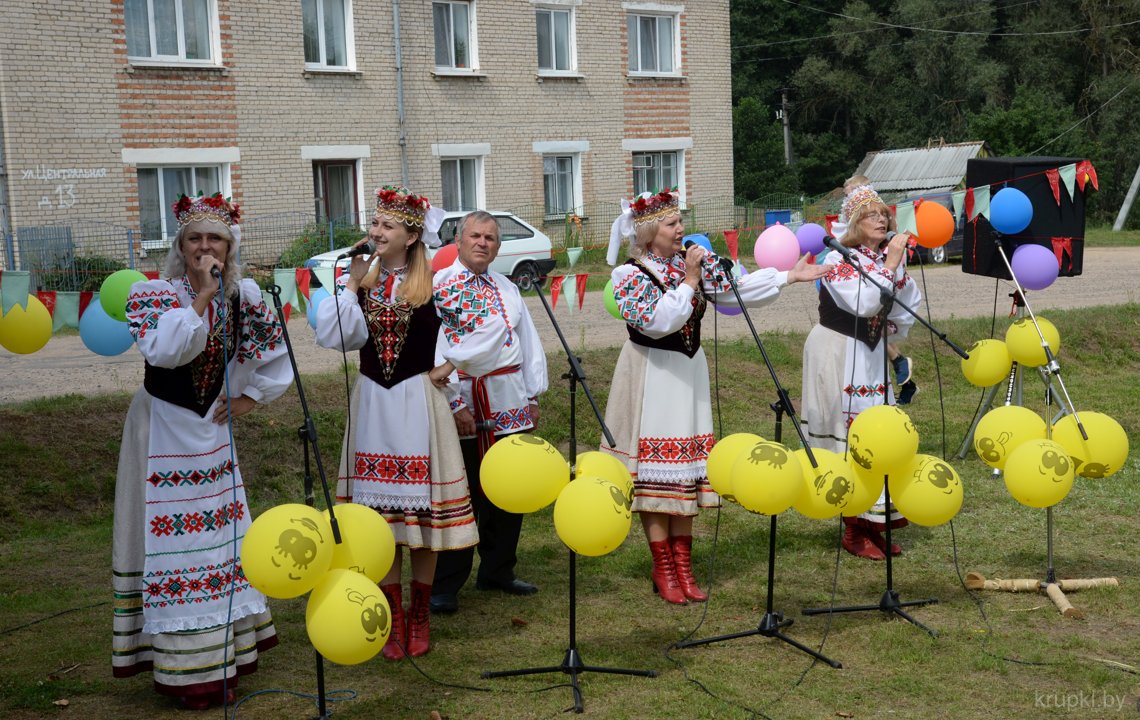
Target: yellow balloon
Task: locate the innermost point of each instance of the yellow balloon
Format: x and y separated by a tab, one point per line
347	618
286	550
523	473
1002	430
607	467
1025	344
881	439
827	488
723	456
866	487
592	516
767	479
929	492
1103	453
1039	473
989	363
367	545
25	330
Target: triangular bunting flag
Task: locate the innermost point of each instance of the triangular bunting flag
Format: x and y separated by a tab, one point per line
151	274
1068	175
555	289
982	201
571	287
1085	173
970	214
958	200
1054	184
14	289
732	240
47	297
286	279
582	288
904	218
84	300
303	276
325	277
66	311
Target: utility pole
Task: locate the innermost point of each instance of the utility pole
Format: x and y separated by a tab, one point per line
782	114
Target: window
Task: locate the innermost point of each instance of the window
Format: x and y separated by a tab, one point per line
171	30
454	34
558	183
460	178
653	171
328	33
335	190
652	44
159	188
555	30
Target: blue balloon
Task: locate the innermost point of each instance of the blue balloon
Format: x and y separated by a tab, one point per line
103	334
315	299
700	239
1010	211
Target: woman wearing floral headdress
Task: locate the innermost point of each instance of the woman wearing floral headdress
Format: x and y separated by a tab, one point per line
401	452
844	354
658	409
213	351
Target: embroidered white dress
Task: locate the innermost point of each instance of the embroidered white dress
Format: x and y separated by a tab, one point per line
181	599
658	409
400	453
842	376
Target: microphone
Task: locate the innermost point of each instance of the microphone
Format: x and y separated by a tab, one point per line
216	272
484	425
690	240
839	248
365	249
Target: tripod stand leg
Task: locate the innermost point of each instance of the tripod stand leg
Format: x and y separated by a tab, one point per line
987	401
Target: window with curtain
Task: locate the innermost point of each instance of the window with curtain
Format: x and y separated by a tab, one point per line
170	30
336	191
558	184
654	171
159	188
327	29
460	179
454	34
652	43
555	34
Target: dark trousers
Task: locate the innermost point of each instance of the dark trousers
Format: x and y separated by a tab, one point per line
498	536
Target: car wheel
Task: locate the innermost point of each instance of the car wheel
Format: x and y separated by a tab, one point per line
526	276
938	254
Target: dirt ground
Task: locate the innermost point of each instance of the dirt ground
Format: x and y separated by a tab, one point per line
66	366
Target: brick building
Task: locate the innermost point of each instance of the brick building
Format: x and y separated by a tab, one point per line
300	108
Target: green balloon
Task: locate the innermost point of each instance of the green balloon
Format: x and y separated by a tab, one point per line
114	291
609	301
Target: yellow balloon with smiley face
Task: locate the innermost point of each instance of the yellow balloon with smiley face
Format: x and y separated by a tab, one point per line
1039	473
592	516
881	439
347	619
286	550
523	473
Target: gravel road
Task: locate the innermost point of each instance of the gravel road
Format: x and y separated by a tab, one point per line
65	366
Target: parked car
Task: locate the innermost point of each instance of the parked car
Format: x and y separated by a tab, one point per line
943	253
524	255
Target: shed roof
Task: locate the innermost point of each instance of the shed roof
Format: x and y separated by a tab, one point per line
920	170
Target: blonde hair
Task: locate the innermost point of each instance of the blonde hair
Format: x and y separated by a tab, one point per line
643	235
231	270
416	286
855	236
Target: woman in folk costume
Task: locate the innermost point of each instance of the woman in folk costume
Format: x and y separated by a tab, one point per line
658	409
183	607
844	354
401	452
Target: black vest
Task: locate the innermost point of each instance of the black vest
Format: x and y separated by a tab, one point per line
687	340
401	340
196	384
867	330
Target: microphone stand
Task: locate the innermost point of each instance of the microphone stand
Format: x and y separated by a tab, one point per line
889	601
572	663
308	436
772	623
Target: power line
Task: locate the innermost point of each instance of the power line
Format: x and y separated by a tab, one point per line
1069	129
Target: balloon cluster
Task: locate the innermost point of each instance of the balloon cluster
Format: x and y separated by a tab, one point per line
990	360
289	551
767	478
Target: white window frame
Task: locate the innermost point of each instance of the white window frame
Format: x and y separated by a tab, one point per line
355	153
349	40
652	10
215	42
472	38
570	8
465	151
565	148
168	158
681	146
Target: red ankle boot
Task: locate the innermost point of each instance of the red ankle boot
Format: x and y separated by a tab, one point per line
858	542
881	543
397	636
665	573
682	546
418	620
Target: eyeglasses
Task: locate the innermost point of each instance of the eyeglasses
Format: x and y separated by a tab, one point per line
878	215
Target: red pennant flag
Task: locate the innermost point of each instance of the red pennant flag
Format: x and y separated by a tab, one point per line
555	289
1086	172
969	203
582	289
828	220
47	297
1061	246
732	240
1054	176
151	274
288	309
336	275
303	275
84	300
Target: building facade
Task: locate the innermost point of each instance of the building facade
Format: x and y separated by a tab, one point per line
301	108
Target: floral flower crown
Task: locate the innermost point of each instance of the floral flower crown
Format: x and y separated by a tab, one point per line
213	208
655	207
860	196
402	204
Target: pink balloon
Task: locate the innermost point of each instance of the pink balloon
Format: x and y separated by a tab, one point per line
1035	266
777	247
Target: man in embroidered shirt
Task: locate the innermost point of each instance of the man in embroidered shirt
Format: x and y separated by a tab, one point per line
488	337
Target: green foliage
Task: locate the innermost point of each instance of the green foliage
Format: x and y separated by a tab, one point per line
315	240
83	273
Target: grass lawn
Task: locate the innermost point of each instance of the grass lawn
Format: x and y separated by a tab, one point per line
998	655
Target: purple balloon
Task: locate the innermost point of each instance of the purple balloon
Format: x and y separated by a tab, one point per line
811	238
1035	266
733	309
1010	211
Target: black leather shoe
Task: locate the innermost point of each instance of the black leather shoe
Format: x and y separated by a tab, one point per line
443	604
511	587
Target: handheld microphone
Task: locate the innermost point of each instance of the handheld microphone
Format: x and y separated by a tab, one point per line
216	272
690	240
365	249
839	248
484	425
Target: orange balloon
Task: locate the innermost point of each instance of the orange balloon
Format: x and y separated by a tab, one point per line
935	224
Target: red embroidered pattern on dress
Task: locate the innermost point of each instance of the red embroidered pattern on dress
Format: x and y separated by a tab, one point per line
178	524
865	390
393	468
675	450
466	303
389	327
186	586
176	478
